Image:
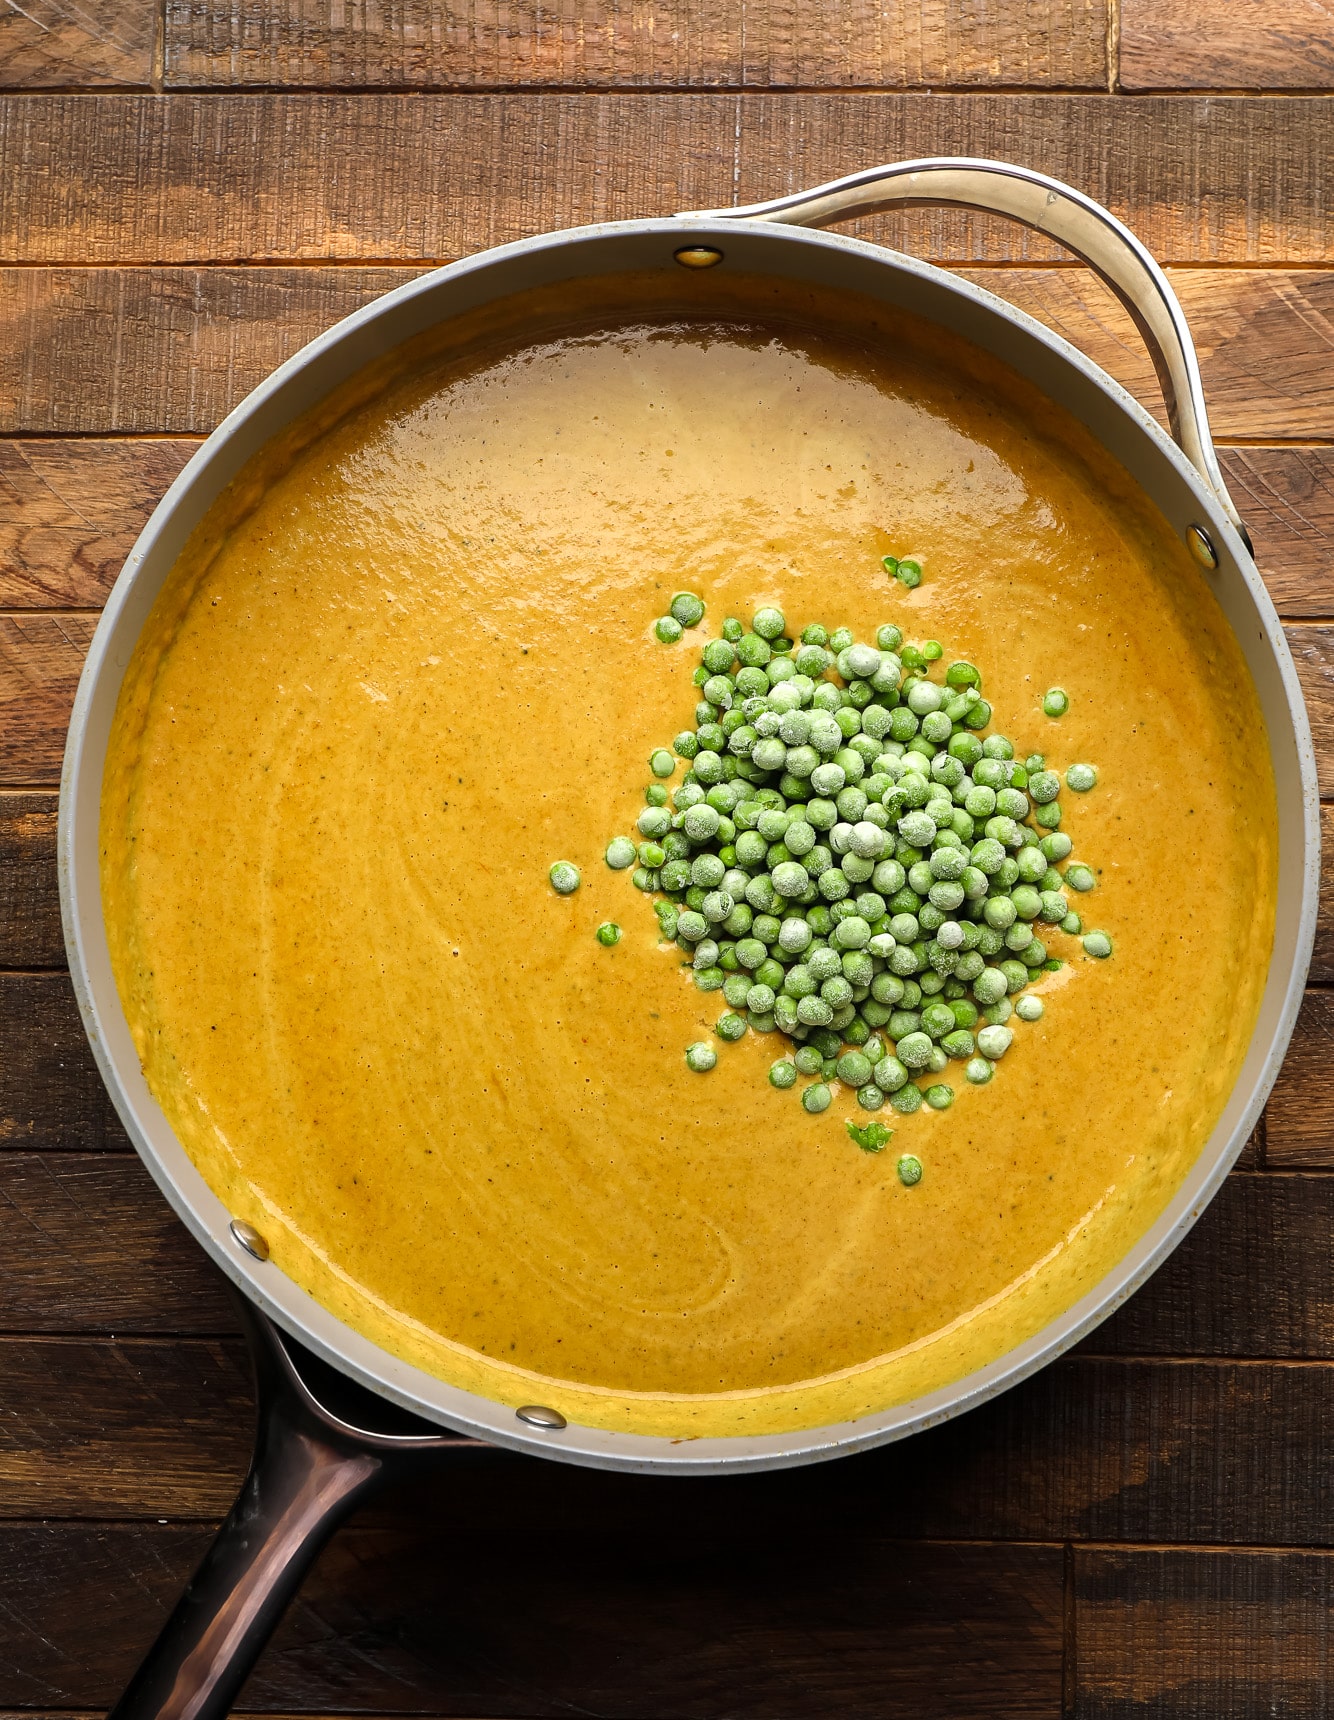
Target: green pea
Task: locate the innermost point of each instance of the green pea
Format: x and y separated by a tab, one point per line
1049	816
686	744
688	610
939	1096
565	877
661	762
668	629
753	651
1080	877
817	1098
910	1166
1072	924
854	1068
1029	1009
782	1073
979	1071
808	1060
1097	944
701	1057
768	623
1056	847
609	933
619	856
1081	778
909	571
1055	702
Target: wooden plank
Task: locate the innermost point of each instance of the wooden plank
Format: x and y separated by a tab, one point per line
743	1618
51	1096
1257	330
1269	1230
123	1428
279	178
109	350
1313	654
171	350
30	935
1203	1453
89	1246
447	43
1286	497
70	512
1299	1121
41	657
1200	1635
1322	956
52	44
1219	45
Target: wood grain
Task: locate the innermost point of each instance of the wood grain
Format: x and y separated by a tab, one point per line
171	350
41	657
1203	1635
278	178
1286	497
89	1246
1226	45
1299	1127
1205	1452
1322	956
1206	1300
50	44
30	934
70	512
1313	654
123	1428
426	43
51	1096
743	1619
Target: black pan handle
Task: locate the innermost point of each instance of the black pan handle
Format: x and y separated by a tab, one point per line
322	1445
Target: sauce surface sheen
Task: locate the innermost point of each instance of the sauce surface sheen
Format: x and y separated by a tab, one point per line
408	661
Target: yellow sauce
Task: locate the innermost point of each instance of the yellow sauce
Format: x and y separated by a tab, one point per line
407	662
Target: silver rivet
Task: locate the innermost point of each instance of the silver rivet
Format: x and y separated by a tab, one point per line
1201	547
538	1415
697	256
250	1239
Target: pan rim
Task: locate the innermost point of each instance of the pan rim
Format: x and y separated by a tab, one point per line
294	1310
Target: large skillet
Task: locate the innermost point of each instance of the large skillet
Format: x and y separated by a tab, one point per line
324	1440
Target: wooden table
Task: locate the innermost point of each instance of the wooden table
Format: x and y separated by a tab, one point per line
188	191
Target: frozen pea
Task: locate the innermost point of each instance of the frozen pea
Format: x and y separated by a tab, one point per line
994	1042
688	610
701	1058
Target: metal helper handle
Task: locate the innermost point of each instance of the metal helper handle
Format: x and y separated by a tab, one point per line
1095	236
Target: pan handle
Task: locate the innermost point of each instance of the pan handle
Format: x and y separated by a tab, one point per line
1095	236
311	1468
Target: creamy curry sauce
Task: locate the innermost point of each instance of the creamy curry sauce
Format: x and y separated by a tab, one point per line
408	661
